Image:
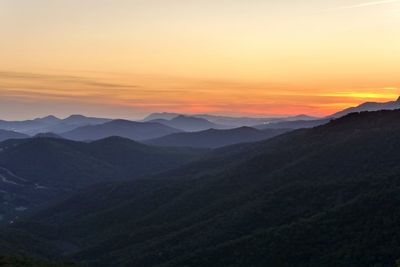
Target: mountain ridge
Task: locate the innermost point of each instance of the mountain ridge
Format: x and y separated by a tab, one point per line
244	205
214	138
5	135
370	106
189	123
50	123
36	170
123	128
367	106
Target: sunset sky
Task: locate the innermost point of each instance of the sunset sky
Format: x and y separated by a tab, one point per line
127	58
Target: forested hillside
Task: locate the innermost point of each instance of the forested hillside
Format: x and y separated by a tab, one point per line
327	196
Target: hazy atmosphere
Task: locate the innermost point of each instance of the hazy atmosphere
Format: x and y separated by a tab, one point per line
200	133
128	58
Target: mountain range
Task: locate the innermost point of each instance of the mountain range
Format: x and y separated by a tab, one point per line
326	196
213	138
5	135
297	124
189	124
35	171
50	124
369	106
226	121
301	123
123	128
156	125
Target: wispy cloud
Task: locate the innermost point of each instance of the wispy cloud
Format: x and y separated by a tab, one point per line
66	79
368	4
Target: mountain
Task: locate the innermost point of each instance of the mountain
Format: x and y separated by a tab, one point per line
327	196
296	124
301	117
309	122
5	135
369	106
73	122
250	121
190	124
228	122
213	138
83	120
27	127
50	124
161	116
123	128
47	135
34	171
48	120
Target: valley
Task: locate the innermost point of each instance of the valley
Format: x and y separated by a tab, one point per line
199	133
299	187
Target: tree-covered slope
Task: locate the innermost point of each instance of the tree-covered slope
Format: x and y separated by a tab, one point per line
36	170
17	261
214	138
5	135
123	128
327	196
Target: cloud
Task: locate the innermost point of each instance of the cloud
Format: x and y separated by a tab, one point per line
62	79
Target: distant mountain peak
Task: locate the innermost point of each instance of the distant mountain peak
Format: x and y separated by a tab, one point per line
51	117
370	106
48	119
75	116
124	128
162	115
84	120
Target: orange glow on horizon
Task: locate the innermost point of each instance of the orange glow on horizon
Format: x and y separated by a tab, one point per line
137	95
255	58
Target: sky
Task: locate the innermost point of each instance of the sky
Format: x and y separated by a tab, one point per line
128	58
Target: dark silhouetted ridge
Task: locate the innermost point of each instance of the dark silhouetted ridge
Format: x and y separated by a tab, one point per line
36	170
123	128
326	196
190	124
214	138
5	135
370	106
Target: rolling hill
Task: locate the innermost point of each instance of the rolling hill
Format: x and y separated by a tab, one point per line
34	171
161	116
190	124
213	138
123	128
47	135
327	196
50	124
5	135
227	121
251	121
